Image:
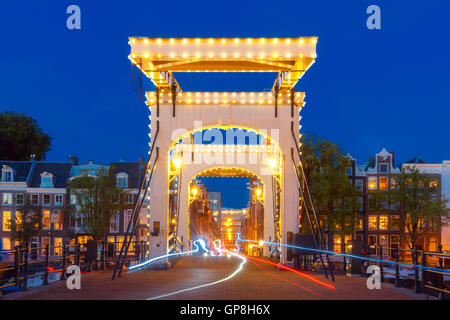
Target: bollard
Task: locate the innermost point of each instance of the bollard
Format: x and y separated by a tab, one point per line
381	264
416	270
25	271
17	266
397	268
424	263
47	249
77	254
102	256
64	258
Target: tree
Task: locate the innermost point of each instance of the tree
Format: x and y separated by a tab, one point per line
332	191
98	199
20	137
27	223
419	200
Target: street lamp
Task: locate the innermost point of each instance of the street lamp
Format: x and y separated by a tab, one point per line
272	163
258	191
194	191
177	162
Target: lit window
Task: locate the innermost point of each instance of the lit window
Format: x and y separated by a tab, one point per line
337	243
57	219
7	199
6	244
383	222
372	222
359	223
58	246
372	183
18	220
395	222
6	220
46	219
383	183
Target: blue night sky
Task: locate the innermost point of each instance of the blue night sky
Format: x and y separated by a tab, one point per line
368	89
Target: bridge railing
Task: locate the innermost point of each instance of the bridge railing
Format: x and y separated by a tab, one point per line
428	271
24	262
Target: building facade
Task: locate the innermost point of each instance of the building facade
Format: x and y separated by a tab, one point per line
45	184
441	171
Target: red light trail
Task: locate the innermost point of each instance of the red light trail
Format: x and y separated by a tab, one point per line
291	282
294	271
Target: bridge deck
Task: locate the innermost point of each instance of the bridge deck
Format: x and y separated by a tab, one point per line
252	282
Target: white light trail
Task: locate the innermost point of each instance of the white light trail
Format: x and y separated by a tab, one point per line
241	265
198	242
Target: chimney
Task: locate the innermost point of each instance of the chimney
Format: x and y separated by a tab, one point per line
74	160
392	157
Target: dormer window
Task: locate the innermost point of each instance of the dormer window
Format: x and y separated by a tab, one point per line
47	180
122	180
7	174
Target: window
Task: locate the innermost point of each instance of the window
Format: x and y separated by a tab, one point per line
359	223
372	183
35	199
126	218
372	241
45	243
383	222
58	200
395	222
359	185
122	180
6	244
128	198
6	220
58	246
393	183
73	199
7	199
383	183
46	180
114	223
7	174
434	183
337	243
372	202
47	200
57	220
19	199
19	220
372	222
361	203
46	219
383	168
349	171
